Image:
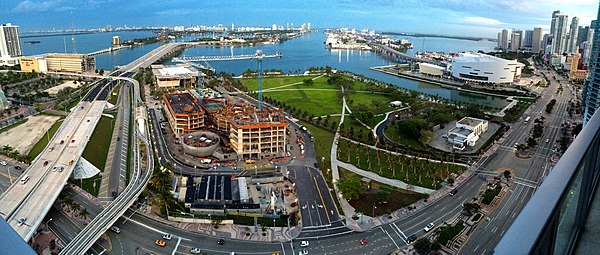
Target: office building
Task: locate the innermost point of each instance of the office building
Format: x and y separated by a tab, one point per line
573	35
183	113
258	133
179	76
504	40
527	41
575	73
558	33
116	40
10	45
499	45
591	88
515	41
482	68
582	35
73	63
466	132
33	64
536	44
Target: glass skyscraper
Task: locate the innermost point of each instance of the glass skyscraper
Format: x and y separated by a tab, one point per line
591	90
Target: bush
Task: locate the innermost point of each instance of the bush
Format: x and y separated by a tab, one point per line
490	194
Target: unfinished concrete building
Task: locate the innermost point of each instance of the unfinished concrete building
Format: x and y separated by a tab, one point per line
183	113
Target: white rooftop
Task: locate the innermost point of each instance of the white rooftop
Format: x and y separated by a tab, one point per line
478	57
177	70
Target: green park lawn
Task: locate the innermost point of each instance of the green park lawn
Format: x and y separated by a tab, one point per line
416	172
97	148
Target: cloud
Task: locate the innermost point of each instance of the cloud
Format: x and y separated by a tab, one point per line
43	6
482	21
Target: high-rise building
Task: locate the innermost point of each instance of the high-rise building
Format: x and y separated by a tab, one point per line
582	34
515	41
536	40
573	34
591	89
116	40
505	38
10	46
499	45
527	41
558	32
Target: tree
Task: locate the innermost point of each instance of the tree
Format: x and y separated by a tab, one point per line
471	208
450	181
101	72
423	246
425	136
506	174
308	81
83	212
351	187
216	222
412	127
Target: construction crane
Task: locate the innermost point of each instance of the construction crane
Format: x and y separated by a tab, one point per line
259	56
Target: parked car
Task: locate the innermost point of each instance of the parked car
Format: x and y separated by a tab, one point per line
195	250
3	163
221	242
167	236
453	192
304	244
364	241
429	227
303	252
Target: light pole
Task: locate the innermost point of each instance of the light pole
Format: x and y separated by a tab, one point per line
48	223
374	207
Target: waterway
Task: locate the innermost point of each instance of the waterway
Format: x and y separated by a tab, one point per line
299	54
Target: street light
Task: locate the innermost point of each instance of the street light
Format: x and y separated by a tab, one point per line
374	207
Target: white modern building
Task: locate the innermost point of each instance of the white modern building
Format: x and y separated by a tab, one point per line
430	69
466	132
10	46
482	68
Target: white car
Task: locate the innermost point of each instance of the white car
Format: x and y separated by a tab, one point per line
429	227
303	252
195	250
167	236
304	244
21	221
3	163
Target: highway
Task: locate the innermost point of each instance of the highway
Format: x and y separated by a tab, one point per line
529	172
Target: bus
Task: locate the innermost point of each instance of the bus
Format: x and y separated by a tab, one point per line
527	119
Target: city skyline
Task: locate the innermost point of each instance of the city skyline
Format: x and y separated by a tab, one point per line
460	18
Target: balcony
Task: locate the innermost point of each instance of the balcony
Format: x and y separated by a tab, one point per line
562	216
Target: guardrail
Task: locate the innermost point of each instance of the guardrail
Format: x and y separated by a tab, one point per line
555	216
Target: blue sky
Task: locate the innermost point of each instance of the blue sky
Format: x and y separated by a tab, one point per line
449	17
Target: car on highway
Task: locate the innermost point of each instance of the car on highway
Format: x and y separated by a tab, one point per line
62	141
46	163
221	242
160	243
304	244
115	229
303	252
17	167
118	138
195	250
453	192
364	241
3	163
429	227
411	239
167	236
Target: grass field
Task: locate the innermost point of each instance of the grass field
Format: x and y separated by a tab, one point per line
41	144
316	102
381	199
97	148
88	184
416	172
114	95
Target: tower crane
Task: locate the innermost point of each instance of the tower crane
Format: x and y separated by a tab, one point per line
259	56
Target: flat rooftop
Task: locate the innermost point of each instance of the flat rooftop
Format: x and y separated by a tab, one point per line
470	121
178	71
478	57
457	130
182	103
259	117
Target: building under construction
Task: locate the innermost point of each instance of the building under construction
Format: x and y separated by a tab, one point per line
258	133
183	113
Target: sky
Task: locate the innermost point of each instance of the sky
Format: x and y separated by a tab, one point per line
478	18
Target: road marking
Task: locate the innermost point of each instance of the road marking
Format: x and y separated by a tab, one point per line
176	246
282	249
322	200
388	234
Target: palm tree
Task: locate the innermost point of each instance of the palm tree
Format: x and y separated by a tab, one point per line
83	212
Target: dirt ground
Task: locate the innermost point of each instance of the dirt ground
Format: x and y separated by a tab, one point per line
65	84
25	136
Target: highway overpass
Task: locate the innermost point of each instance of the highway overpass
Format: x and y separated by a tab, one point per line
24	205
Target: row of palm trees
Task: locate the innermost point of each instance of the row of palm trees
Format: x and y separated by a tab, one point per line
67	200
160	184
11	152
